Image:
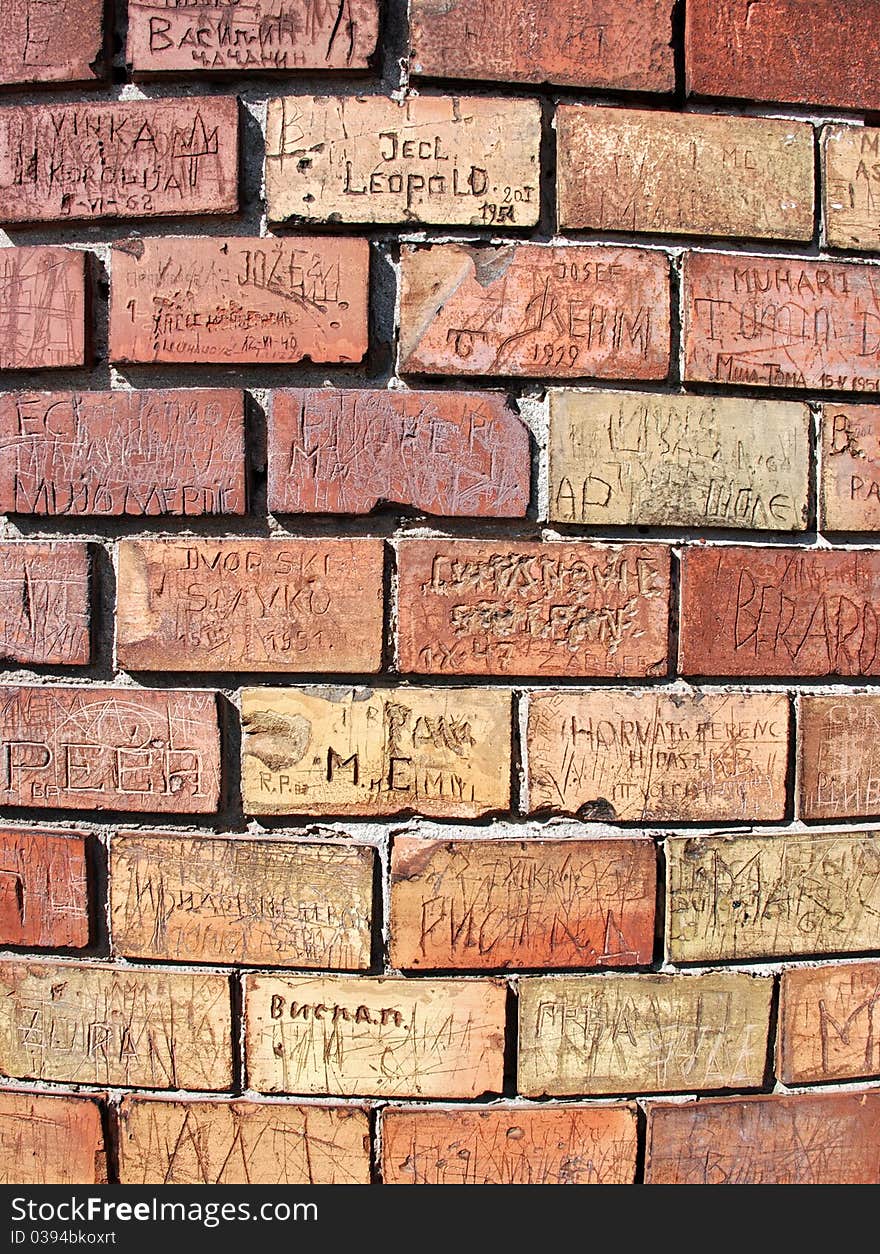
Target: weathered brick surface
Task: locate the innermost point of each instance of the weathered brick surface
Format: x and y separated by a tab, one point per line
826	1018
239	300
617	44
509	1145
771	896
44	893
99	1024
470	161
44	603
52	41
254	605
804	1138
515	903
144	453
683	174
269	902
361	1036
851	186
781	322
839	756
125	159
645	1033
456	454
363	751
85	748
543	310
779	611
849	476
641	458
658	757
50	1140
241	1142
200	37
43	308
475	608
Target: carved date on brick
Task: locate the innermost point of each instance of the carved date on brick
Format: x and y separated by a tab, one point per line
43	889
43	308
44	603
50	1140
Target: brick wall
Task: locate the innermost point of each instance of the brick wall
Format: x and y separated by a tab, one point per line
440	460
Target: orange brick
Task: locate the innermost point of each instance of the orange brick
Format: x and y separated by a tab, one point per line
253	605
623	45
827	1023
239	300
43	308
509	1145
44	603
849	476
781	322
241	1142
469	607
543	310
839	756
44	895
804	1138
642	756
522	903
683	174
775	611
50	1140
110	748
62	162
61	41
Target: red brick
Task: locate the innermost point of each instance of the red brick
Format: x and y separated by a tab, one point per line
119	159
799	51
509	1145
776	611
43	308
827	1021
456	454
849	476
804	1138
239	300
52	41
485	904
545	310
50	1140
470	607
110	749
44	603
43	889
624	45
111	453
779	322
839	756
201	37
253	605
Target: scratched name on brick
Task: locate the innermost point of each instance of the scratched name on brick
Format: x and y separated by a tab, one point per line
828	1023
849	471
839	756
851	184
44	603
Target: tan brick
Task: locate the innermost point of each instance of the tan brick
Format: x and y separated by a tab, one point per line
201	38
781	322
826	1023
241	1142
642	756
804	1138
851	186
83	748
239	300
52	41
44	603
683	174
522	903
363	751
367	1036
44	895
119	159
50	1140
509	1145
839	756
642	1033
771	896
651	459
268	902
444	159
43	308
252	605
549	311
849	474
101	1024
470	607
